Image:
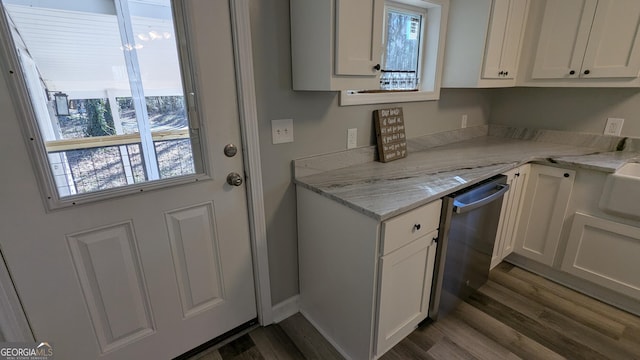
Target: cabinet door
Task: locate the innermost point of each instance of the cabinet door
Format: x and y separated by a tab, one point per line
563	38
613	49
545	203
405	289
506	235
503	38
604	252
358	37
505	214
515	210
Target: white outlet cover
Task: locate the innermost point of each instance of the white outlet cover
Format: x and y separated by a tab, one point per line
282	131
614	126
352	138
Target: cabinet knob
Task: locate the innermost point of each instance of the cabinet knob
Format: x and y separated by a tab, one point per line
501	73
417	226
572	72
587	72
377	67
566	175
517	174
506	73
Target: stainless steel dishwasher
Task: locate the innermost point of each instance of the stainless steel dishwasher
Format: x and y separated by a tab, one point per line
468	226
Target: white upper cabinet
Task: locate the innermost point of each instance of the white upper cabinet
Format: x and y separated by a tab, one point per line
588	39
358	37
613	49
503	39
336	44
484	41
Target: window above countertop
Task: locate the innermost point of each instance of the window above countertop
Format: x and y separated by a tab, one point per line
429	60
338	46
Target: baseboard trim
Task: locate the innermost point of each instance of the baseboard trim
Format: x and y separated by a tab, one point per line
286	308
583	286
326	336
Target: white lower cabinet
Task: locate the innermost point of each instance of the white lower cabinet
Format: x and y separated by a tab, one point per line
604	252
510	213
543	212
564	236
364	284
405	289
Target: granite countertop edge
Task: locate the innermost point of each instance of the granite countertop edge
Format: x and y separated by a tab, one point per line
574	157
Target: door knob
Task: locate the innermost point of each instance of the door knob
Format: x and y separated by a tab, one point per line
234	179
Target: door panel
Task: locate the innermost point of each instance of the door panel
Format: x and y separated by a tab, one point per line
196	257
144	276
604	252
108	267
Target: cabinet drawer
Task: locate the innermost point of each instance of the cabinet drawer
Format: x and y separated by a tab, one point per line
409	226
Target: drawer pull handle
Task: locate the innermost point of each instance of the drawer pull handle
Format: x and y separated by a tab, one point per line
417	226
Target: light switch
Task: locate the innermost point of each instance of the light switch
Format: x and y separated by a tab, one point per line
282	131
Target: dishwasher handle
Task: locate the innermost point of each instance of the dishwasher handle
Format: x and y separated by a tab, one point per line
460	208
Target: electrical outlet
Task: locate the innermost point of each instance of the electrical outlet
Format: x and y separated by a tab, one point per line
282	131
614	126
352	138
464	121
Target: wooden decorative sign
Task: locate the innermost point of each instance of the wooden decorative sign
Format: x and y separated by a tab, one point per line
392	141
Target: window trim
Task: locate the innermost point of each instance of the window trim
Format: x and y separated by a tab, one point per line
412	10
38	155
436	28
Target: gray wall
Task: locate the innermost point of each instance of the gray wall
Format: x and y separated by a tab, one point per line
575	109
320	126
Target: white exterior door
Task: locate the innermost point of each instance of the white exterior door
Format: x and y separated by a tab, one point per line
144	276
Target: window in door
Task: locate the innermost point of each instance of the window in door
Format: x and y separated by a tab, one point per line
104	82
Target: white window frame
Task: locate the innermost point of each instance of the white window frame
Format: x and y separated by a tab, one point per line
432	58
407	9
36	145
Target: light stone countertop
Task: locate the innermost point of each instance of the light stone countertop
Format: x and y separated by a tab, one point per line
384	190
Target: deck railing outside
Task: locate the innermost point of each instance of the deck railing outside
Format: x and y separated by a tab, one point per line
104	162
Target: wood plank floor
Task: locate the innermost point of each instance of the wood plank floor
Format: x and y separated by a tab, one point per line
516	315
